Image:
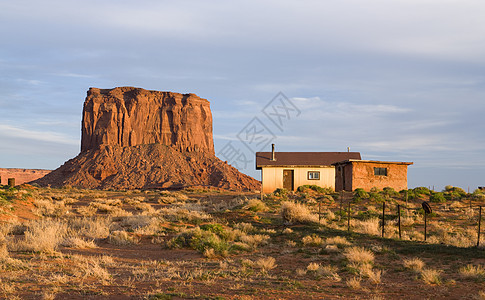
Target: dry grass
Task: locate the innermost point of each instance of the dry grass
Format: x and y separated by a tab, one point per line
338	241
476	272
359	255
414	264
297	213
41	236
312	241
265	263
354	283
256	205
122	238
370	226
431	276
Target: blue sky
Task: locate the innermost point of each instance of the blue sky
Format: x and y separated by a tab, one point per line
394	80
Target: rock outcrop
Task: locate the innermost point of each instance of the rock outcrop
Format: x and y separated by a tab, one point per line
127	116
138	139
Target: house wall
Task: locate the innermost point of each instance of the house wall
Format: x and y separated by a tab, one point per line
21	175
363	176
272	177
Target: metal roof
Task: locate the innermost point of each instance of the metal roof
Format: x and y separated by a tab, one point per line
284	159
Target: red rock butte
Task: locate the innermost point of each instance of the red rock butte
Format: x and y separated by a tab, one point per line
128	116
134	138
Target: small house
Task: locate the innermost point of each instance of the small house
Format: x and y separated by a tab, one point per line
290	170
366	174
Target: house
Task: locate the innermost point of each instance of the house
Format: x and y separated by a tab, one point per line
290	170
366	174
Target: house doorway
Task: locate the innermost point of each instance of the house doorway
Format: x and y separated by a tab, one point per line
288	179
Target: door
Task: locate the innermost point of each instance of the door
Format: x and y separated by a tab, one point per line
288	179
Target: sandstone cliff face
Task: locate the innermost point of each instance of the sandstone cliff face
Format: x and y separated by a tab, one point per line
128	116
138	139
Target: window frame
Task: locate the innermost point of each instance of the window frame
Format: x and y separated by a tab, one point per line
380	171
313	172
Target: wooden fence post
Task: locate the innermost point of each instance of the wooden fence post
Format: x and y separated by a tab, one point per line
348	218
383	217
479	223
399	219
425	214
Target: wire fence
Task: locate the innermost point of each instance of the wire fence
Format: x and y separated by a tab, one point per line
447	216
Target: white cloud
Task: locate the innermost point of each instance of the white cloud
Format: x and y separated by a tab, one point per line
9	132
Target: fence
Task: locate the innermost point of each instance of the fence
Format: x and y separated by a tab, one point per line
450	213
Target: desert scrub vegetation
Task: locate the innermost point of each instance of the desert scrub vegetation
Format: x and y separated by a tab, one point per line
215	240
293	212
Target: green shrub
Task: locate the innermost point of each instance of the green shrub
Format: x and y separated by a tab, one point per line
389	191
421	191
437	197
314	187
376	197
454	193
215	228
410	193
359	195
280	192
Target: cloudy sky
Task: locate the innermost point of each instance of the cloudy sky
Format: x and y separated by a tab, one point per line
399	80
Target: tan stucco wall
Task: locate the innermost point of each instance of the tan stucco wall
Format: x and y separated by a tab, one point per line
363	176
272	177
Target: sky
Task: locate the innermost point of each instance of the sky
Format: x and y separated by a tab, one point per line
396	80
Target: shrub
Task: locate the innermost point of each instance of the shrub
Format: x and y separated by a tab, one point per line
389	191
316	188
437	197
421	191
294	212
359	255
256	205
280	192
376	197
360	194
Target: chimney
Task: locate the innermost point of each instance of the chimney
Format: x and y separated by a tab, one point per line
273	158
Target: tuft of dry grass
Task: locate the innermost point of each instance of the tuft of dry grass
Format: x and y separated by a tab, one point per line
313	267
122	238
292	212
265	263
473	272
359	255
312	241
431	276
339	241
354	283
256	205
414	264
41	236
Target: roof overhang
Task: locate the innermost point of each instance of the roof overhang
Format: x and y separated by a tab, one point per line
373	162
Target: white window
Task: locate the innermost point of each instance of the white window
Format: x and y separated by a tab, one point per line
313	175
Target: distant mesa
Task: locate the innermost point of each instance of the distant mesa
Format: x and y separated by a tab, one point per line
133	138
21	175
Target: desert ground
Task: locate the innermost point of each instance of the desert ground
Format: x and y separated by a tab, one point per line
201	243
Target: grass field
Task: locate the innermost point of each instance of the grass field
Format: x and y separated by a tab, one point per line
210	244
